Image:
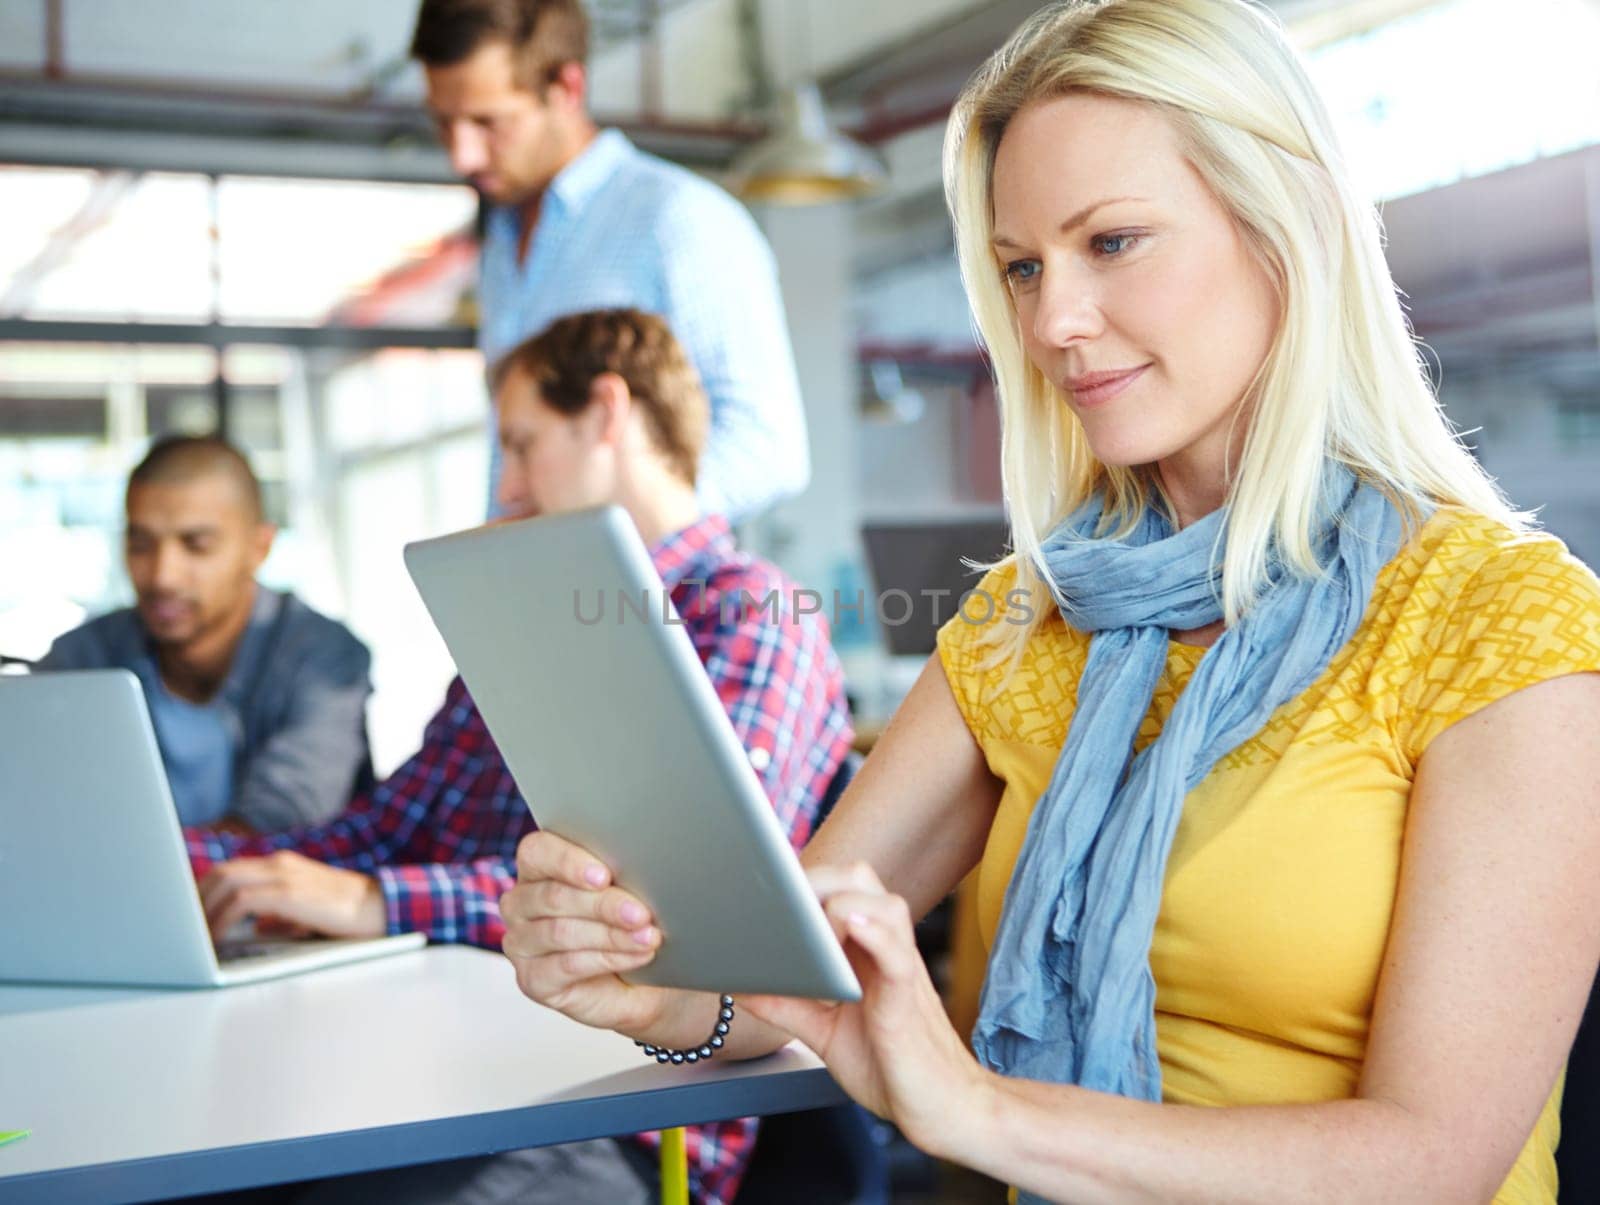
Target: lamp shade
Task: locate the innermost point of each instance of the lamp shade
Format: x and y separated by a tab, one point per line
805	161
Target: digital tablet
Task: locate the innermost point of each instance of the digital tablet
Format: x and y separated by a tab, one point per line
611	728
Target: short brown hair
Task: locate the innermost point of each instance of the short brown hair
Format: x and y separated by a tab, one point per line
563	360
544	35
180	459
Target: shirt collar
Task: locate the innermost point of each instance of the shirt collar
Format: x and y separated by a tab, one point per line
245	669
579	180
708	540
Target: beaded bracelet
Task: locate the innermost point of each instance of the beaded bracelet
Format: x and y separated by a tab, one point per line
694	1054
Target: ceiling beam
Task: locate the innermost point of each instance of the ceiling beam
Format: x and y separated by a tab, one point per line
219	334
138	124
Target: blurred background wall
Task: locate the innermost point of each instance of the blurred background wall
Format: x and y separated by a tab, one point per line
234	216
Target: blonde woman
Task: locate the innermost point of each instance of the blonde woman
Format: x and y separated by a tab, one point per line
1284	786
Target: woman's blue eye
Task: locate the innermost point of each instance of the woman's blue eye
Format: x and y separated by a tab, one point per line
1113	244
1020	271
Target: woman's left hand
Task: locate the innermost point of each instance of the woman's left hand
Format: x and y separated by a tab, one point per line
895	1050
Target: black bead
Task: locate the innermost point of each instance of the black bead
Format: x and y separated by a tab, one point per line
694	1054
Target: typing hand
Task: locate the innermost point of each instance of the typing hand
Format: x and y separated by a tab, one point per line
895	1050
288	888
570	934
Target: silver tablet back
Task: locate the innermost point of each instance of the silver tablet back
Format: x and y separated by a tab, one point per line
606	718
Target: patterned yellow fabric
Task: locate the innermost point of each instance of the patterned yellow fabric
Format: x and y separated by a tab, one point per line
1282	877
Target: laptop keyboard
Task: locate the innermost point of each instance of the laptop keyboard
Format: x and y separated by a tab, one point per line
232	951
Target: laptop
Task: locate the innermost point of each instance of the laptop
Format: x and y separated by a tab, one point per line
613	732
95	885
921	558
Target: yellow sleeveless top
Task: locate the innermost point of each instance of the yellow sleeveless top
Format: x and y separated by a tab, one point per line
1281	881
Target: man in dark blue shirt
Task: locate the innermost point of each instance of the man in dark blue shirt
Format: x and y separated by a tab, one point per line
258	702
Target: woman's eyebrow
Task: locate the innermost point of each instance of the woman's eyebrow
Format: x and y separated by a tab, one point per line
1077	219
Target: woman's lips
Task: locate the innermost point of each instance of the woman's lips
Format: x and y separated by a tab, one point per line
1097	388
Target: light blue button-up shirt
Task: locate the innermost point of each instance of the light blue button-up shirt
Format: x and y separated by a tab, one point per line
618	227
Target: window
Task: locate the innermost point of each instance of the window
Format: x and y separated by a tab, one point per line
1463	88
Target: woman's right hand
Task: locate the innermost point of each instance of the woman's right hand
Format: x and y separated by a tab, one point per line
571	933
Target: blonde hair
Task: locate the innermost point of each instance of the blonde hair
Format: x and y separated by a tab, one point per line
1342	379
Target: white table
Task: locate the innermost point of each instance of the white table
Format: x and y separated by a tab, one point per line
434	1054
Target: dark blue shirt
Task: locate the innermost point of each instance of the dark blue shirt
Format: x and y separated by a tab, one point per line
293	706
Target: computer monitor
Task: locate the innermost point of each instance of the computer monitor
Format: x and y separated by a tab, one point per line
920	558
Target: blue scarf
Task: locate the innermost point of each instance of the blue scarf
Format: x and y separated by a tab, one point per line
1069	997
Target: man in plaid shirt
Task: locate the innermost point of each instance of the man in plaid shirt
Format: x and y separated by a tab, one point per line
601	407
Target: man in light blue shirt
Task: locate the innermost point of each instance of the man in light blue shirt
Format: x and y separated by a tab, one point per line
580	219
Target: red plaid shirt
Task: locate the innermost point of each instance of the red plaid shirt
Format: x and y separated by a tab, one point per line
440	834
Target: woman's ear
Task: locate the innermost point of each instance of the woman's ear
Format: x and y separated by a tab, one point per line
612	405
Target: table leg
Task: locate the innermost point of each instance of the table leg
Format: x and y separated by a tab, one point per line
674	1168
